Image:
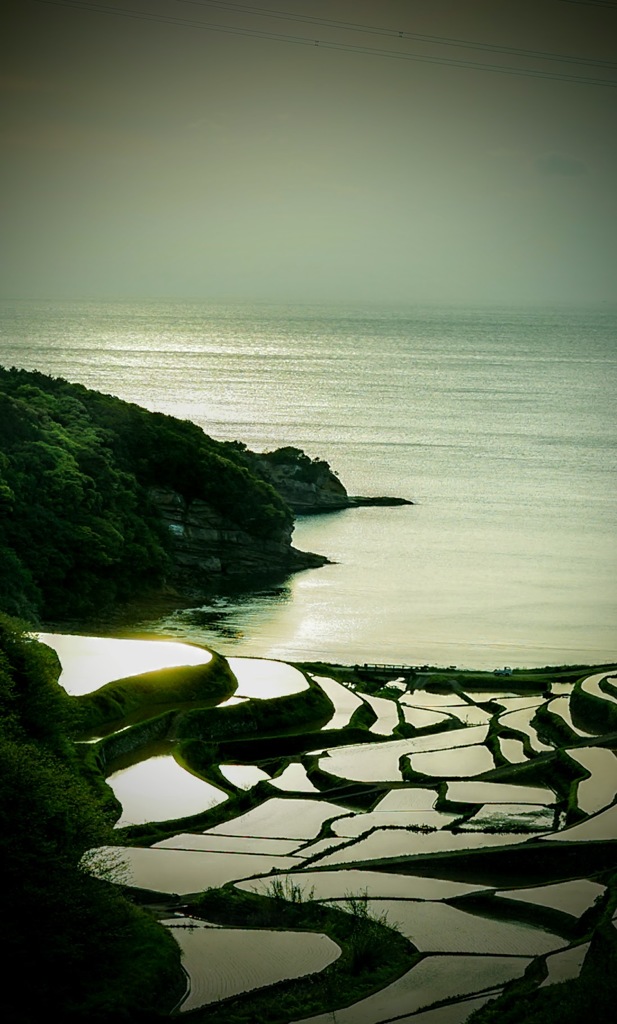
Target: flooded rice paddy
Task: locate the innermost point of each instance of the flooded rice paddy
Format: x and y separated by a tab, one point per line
89	662
600	788
240	959
432	980
344	700
398	821
458	763
602	826
336	885
159	789
440	928
265	680
565	965
573	897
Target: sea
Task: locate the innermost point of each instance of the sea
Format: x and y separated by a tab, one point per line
498	423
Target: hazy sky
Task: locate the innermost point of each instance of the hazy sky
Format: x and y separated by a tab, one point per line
151	157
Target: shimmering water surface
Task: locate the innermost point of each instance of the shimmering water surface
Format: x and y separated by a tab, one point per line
499	423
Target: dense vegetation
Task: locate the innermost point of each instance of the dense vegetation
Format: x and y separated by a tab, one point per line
77	530
91	954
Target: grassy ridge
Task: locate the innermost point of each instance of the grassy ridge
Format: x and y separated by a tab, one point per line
140	697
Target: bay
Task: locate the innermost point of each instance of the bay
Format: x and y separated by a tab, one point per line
499	423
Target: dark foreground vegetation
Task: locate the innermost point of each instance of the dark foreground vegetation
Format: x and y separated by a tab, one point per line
73	947
590	997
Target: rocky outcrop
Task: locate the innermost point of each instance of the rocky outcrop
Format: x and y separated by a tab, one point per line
207	547
310	486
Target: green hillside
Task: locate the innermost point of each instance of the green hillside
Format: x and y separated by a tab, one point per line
78	531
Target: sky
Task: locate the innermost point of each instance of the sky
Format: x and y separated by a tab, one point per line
217	151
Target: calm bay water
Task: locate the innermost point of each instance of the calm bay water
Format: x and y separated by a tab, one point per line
499	423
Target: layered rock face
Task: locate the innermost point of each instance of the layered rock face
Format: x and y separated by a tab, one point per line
207	547
309	485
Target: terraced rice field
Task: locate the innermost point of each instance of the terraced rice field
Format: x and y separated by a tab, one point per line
434	979
224	961
89	662
158	789
484	849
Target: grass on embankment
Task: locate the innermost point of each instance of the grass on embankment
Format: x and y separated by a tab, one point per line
532	862
525	680
136	698
373	954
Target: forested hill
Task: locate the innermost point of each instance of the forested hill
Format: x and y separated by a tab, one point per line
84	478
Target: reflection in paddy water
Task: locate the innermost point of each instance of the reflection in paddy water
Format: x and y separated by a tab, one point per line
91	661
439	928
601	788
160	789
572	897
221	962
361	823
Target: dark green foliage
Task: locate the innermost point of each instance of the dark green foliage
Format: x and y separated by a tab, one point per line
591	712
295	713
90	953
307	470
77	530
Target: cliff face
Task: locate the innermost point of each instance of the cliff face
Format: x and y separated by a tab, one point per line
309	486
207	547
102	502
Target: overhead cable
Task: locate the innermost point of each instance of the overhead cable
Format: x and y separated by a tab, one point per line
353	26
327	44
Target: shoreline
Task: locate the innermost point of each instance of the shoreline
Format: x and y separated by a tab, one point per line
433	674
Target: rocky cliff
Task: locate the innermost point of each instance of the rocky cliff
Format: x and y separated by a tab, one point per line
207	547
103	502
310	486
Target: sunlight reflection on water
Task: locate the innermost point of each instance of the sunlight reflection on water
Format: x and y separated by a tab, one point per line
91	661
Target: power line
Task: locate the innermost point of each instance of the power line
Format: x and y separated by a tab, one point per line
590	3
331	45
354	26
